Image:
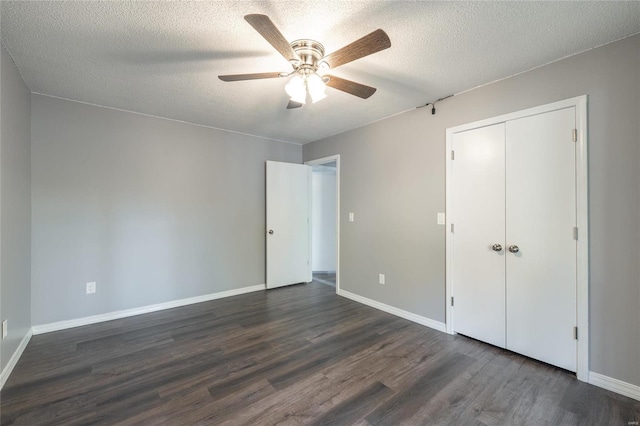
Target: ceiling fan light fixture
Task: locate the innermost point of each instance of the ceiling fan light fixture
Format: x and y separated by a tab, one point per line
316	87
307	58
296	89
317	97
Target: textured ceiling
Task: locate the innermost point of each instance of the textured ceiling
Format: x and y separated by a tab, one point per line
163	58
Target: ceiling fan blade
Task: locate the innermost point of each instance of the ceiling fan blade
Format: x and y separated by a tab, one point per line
293	104
367	45
350	87
256	76
268	30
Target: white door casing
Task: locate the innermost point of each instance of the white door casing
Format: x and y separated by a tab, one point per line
325	160
540	220
288	203
478	215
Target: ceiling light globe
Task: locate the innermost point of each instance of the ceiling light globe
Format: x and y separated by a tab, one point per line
318	96
296	89
316	87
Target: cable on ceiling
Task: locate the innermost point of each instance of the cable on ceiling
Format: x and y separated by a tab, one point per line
433	104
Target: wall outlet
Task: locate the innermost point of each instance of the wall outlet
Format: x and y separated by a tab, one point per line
352	217
441	219
5	328
91	288
381	279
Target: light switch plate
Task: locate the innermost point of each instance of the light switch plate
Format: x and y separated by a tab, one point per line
352	217
5	329
442	220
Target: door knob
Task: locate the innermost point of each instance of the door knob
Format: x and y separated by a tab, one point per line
496	247
270	231
514	248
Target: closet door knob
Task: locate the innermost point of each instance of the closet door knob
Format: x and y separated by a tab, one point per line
270	231
514	248
496	247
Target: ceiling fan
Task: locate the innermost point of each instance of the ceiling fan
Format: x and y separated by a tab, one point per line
307	58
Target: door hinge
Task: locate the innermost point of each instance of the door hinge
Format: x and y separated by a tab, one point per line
453	155
451	300
452	228
575	135
575	333
575	233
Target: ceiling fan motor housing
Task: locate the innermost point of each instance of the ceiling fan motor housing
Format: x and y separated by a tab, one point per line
310	53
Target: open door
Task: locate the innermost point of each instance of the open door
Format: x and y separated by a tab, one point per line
288	229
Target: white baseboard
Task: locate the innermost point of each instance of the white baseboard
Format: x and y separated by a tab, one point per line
6	372
614	385
437	325
63	325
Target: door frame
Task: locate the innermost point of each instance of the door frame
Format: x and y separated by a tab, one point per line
582	217
325	160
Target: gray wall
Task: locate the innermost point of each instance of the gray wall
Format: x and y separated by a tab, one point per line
15	206
152	210
393	178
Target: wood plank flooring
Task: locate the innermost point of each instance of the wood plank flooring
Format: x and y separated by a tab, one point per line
290	356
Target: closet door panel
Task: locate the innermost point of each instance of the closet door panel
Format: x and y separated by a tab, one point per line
478	217
540	218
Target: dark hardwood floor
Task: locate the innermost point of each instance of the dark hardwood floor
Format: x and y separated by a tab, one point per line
294	355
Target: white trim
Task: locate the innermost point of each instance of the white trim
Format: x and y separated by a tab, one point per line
545	64
614	385
436	325
325	160
582	218
6	372
167	118
448	240
63	325
309	223
582	255
554	106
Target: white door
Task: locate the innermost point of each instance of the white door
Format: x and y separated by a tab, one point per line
540	219
478	173
288	233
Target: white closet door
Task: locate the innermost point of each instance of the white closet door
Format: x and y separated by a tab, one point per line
478	217
540	220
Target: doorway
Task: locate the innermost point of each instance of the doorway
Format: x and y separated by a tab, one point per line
325	220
